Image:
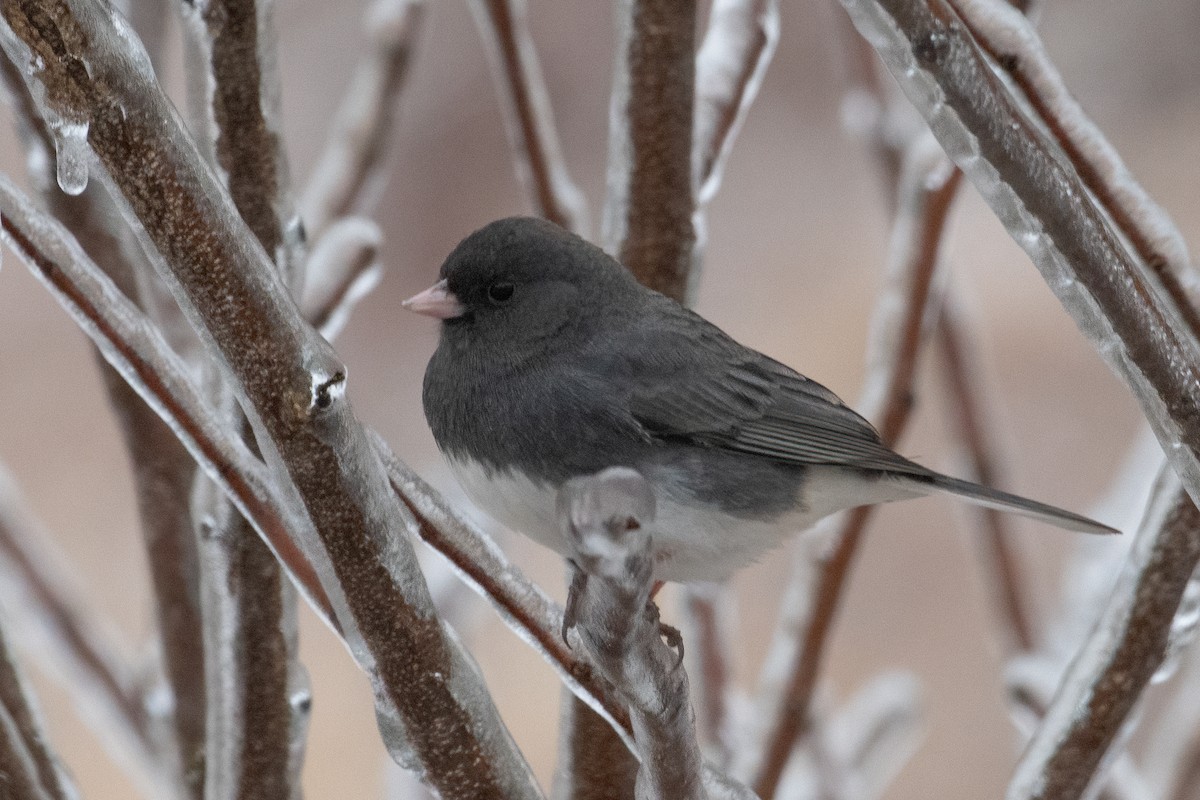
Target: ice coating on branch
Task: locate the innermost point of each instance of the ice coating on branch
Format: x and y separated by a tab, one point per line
72	154
1183	629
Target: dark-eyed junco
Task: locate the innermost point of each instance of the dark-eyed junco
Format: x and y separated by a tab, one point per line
554	362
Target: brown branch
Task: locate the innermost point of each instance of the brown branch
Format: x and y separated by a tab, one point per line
529	120
706	631
648	210
1010	40
347	175
292	387
1106	679
926	196
522	605
968	413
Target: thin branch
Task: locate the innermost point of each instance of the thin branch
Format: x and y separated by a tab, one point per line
76	644
928	189
133	345
347	173
648	210
522	605
706	627
594	761
1009	38
529	120
968	413
23	725
1124	651
730	66
1048	212
17	766
342	268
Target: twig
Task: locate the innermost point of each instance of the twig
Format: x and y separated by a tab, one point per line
75	642
1008	37
649	205
16	762
342	268
23	730
731	64
537	153
1126	648
594	761
347	171
927	191
522	605
292	387
133	345
1047	211
1001	561
602	518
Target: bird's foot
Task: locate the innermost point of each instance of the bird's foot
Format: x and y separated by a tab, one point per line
574	592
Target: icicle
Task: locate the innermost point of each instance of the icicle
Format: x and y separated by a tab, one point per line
71	150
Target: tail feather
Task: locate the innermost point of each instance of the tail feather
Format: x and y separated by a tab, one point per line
1003	501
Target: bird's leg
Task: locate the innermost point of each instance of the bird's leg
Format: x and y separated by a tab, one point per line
574	592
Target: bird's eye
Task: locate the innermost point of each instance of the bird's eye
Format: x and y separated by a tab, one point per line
500	292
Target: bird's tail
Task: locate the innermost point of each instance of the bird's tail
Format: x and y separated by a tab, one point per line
1003	501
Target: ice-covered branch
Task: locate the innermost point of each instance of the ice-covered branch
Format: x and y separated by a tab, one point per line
522	605
1010	39
731	63
968	413
529	120
343	267
602	517
928	187
21	730
70	638
1048	211
133	345
707	626
433	713
347	174
1129	644
648	209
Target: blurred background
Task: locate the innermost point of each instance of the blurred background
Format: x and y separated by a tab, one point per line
797	239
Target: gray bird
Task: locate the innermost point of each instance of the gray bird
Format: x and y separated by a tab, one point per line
554	362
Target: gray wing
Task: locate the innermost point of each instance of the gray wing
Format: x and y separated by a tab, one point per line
689	381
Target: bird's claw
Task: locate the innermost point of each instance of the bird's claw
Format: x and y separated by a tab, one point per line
574	592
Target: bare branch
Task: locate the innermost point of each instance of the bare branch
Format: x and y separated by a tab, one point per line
16	762
928	188
706	626
346	176
730	66
648	210
529	120
1126	648
594	761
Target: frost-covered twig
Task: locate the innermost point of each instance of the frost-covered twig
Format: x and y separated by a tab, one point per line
291	385
1127	647
1048	212
707	627
348	174
602	518
73	641
1001	560
342	268
133	345
927	191
22	730
731	63
648	209
528	118
522	605
1010	39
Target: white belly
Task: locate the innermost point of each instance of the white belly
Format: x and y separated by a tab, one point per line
692	542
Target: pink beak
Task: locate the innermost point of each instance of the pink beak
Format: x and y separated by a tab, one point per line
437	301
